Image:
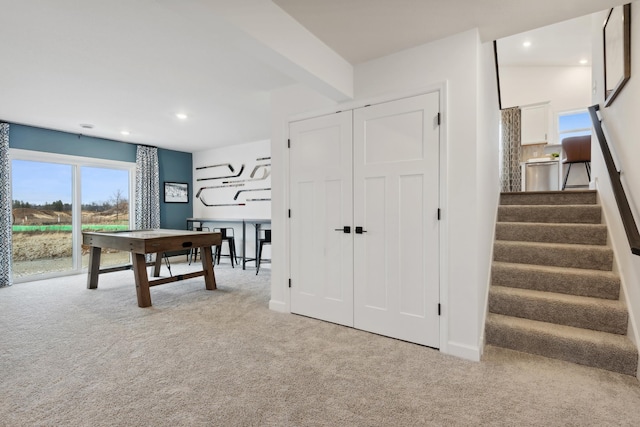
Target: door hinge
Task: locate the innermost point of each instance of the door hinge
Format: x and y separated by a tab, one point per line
289	213
438	119
288	143
438	214
289	282
439	306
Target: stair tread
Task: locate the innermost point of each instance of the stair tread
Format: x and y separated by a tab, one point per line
551	213
554	224
589	257
597	314
565	280
550	192
597	338
565	298
602	248
554	269
564	206
549	197
552	232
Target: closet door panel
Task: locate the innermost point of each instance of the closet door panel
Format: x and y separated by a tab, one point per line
321	206
396	182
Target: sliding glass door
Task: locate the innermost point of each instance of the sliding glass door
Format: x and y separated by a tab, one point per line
55	197
42	237
105	207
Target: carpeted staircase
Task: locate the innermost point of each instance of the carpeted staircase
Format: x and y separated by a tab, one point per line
553	292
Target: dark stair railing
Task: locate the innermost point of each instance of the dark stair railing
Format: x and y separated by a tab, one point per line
628	222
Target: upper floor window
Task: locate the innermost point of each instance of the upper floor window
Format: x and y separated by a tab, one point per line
573	123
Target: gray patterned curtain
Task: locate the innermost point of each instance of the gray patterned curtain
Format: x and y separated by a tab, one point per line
5	208
147	214
510	174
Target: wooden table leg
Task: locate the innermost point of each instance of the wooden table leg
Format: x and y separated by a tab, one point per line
156	269
207	265
94	267
142	280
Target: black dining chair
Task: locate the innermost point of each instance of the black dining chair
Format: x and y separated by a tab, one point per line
227	235
264	240
577	149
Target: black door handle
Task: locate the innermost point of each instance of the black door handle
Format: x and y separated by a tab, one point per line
359	230
346	229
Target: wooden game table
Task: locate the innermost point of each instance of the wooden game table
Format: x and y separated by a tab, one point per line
143	242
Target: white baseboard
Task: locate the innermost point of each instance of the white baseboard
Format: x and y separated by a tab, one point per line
463	351
280	306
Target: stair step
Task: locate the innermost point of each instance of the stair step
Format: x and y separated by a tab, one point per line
571	281
575	214
585	347
583	197
591	257
581	312
584	234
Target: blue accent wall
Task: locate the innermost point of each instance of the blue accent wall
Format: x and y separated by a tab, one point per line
175	166
52	141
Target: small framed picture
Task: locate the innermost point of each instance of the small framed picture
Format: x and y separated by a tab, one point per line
176	192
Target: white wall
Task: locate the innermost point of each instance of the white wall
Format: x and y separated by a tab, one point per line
566	88
622	126
246	155
470	184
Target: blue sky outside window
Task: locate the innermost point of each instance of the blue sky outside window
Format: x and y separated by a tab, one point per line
574	124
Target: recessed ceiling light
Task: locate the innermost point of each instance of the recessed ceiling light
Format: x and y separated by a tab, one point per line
86	125
181	116
583	61
526	44
125	132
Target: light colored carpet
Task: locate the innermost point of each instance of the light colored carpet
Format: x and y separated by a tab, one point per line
76	357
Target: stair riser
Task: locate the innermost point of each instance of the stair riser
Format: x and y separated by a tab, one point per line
569	233
587	214
591	258
563	198
589	354
565	283
594	317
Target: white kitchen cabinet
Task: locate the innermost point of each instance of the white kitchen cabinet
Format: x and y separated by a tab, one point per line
535	123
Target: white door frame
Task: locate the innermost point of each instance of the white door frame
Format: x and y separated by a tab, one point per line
443	186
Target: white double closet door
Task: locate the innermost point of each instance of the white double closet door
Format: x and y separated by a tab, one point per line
364	218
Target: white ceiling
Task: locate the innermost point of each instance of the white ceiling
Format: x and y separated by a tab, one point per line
361	30
562	44
131	65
